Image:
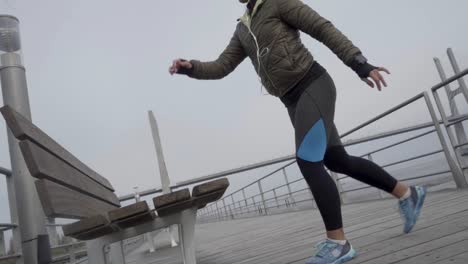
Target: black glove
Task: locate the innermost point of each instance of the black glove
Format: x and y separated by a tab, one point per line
185	71
361	66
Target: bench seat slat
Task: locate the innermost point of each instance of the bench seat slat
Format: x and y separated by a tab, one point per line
135	220
95	233
171	198
23	129
209	187
128	211
174	208
43	165
203	200
60	201
85	225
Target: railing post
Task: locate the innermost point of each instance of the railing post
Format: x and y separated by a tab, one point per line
276	198
2	244
225	208
288	185
31	218
218	212
52	231
13	214
456	172
230	212
233	203
369	157
262	195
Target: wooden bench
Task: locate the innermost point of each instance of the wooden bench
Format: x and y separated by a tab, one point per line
68	188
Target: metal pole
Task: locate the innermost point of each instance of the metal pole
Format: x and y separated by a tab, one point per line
2	244
456	172
217	210
288	185
459	129
147	236
276	198
456	69
16	239
31	218
52	231
262	195
165	181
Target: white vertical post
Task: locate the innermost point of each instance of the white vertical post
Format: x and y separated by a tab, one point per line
148	236
31	219
2	244
289	186
262	195
52	231
165	181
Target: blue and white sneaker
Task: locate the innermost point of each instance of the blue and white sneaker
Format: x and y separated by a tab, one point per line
410	208
329	252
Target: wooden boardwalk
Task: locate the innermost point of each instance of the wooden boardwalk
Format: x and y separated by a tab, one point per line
374	229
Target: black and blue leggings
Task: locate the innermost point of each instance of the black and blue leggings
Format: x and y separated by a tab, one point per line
318	145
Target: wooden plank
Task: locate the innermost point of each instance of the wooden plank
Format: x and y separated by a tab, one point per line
203	200
23	129
289	238
95	233
60	201
128	211
171	198
135	220
174	208
85	225
43	165
212	186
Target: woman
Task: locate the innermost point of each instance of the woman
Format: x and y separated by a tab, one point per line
268	33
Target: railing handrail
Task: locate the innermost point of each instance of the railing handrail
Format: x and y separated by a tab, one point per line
5	171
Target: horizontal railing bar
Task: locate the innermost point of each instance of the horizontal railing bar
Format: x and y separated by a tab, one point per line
395	132
5	172
400	142
406	179
235	171
460	145
10	257
64	257
264	177
7	226
412	158
402	161
458	120
384	114
450	80
69	245
142	194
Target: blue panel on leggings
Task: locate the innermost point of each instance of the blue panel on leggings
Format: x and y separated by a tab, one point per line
314	144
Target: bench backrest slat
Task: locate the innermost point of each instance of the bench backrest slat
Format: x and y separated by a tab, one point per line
60	201
23	129
44	165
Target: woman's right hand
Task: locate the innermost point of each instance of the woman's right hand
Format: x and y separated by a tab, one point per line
177	64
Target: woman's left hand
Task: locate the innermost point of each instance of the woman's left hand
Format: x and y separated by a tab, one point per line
377	78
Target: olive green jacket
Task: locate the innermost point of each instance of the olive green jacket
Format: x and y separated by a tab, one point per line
269	36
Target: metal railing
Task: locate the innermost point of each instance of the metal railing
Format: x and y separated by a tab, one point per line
285	196
229	207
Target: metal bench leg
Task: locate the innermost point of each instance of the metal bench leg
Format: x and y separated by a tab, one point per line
187	232
96	253
116	253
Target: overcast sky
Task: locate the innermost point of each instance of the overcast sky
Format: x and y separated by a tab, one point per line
95	68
